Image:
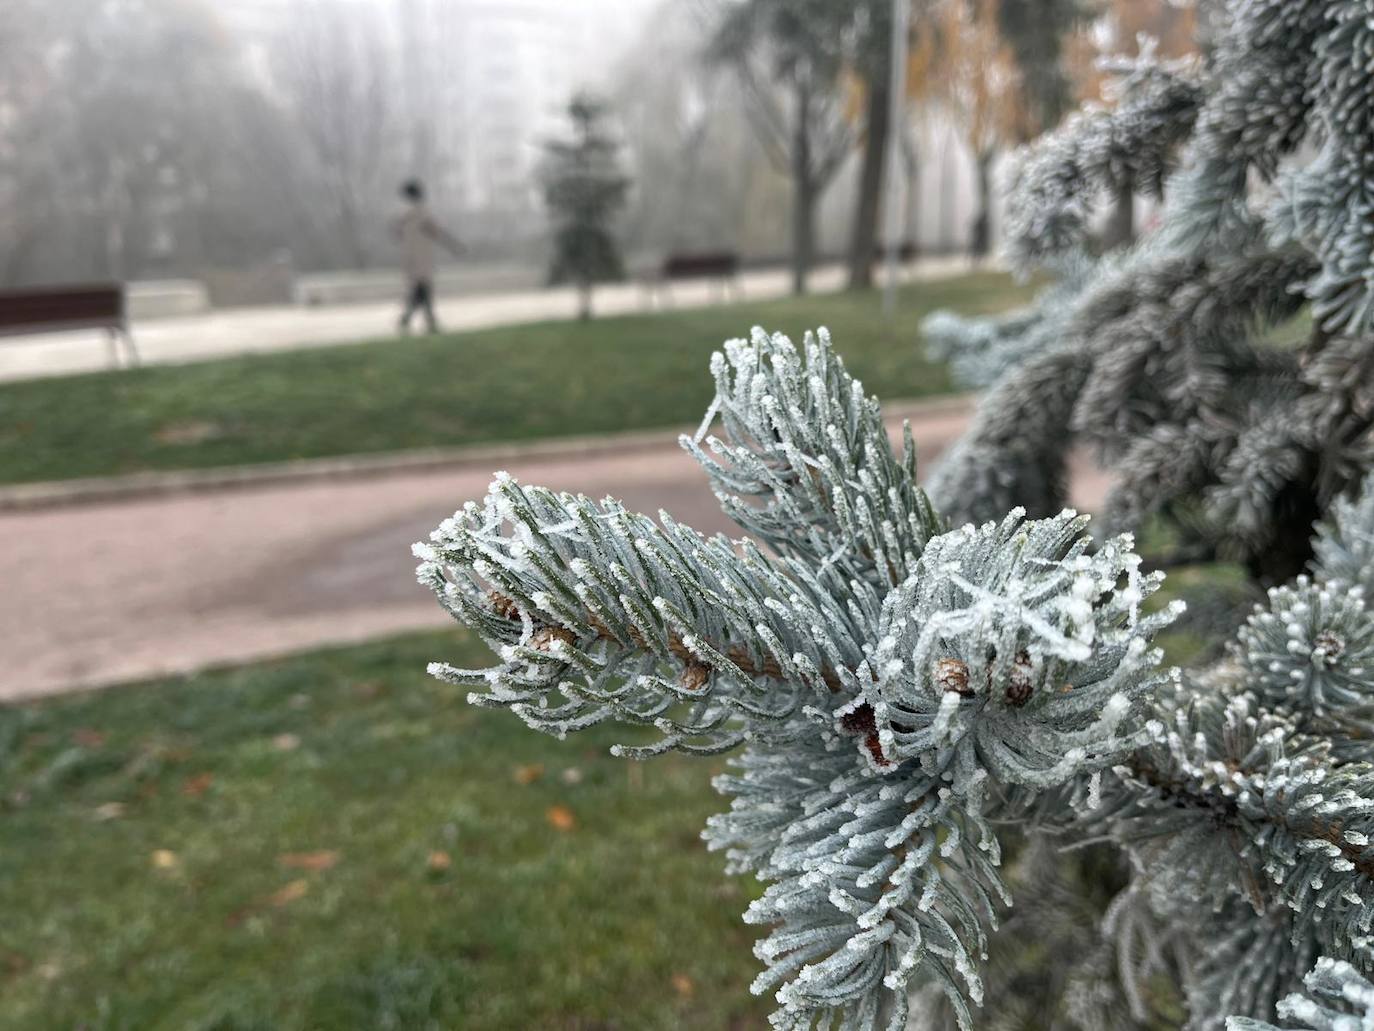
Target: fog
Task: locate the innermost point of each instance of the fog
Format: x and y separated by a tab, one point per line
146	138
243	144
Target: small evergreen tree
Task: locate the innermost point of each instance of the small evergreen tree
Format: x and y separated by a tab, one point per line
922	717
1158	357
585	189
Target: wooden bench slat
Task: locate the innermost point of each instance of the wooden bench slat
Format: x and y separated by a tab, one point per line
705	264
42	307
52	309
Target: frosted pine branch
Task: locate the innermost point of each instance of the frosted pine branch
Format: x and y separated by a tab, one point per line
1340	1000
879	721
804	463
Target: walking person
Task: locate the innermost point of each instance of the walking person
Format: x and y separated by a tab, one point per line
418	233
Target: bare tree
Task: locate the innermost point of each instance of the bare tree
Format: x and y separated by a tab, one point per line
788	58
962	62
871	60
23	80
124	130
688	142
335	68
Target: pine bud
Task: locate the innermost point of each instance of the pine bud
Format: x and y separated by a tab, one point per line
952	675
543	639
503	605
1328	648
1019	684
694	676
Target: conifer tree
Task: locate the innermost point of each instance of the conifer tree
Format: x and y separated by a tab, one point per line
1159	358
585	189
924	713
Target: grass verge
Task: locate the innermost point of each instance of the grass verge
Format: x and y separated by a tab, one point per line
508	384
338	841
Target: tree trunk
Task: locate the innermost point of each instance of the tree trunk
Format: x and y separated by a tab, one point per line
352	233
912	217
803	233
803	192
1120	231
948	243
584	301
980	237
863	241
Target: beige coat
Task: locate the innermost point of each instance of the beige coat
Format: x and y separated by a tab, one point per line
418	233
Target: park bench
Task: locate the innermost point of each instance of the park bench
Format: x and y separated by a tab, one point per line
721	267
55	309
907	252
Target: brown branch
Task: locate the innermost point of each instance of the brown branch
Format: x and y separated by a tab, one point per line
1179	792
508	608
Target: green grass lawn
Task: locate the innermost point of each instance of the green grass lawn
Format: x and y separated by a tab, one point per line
339	842
515	383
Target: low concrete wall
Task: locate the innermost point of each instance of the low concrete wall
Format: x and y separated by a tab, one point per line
321	288
163	298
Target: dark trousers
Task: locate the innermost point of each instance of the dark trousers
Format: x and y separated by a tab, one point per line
421	299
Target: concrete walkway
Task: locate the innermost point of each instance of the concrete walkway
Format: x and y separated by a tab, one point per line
124	590
253	330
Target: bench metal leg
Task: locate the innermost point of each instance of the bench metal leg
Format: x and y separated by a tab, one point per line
113	336
131	348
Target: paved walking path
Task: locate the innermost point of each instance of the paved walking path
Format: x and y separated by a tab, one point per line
103	593
249	330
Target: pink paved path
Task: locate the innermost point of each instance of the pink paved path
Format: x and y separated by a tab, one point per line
98	594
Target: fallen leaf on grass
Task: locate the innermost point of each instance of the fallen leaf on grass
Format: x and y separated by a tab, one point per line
109	811
164	858
439	861
290	893
194	787
283	896
238	916
286	742
561	818
528	774
88	737
683	985
313	861
14	962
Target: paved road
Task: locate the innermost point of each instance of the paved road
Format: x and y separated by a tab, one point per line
248	330
104	593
